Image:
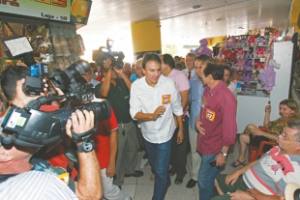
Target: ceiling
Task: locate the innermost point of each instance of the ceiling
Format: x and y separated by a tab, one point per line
180	23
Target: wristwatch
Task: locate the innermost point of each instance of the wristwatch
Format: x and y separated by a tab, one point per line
86	146
224	154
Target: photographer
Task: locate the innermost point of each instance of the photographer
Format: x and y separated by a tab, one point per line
16	168
115	87
106	148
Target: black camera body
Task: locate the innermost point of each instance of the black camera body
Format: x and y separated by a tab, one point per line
32	128
116	57
71	82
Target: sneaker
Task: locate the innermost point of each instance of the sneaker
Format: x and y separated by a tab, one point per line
191	183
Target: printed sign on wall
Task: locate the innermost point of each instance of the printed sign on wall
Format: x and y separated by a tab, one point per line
58	10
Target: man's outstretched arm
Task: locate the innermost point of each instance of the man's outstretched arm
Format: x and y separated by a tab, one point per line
89	185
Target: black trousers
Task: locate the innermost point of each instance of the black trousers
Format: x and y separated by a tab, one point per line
180	151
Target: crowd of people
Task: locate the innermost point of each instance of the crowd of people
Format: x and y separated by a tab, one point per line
177	113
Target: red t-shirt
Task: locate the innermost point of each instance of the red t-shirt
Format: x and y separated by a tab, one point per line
218	116
103	141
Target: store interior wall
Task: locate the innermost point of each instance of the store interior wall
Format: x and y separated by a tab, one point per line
182	26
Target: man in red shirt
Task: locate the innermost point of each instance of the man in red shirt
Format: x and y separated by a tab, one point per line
106	140
217	128
106	150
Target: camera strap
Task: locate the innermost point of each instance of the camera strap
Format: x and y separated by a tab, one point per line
83	136
36	104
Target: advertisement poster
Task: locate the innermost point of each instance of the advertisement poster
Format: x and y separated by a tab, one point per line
80	11
58	10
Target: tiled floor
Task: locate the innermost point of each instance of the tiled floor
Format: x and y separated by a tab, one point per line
142	188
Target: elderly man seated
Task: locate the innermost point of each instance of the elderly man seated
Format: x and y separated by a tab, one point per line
267	177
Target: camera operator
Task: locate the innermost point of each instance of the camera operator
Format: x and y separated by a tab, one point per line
89	76
16	169
106	148
115	87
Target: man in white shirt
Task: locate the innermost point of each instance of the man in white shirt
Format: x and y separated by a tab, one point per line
189	71
153	101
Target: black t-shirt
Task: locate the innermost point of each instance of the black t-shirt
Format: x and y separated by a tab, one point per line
118	97
97	91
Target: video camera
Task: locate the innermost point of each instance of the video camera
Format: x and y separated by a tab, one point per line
31	128
20	48
71	82
104	53
34	78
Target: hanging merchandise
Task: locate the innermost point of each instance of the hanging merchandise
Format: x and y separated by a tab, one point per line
203	49
36	33
267	76
250	57
67	45
54	44
49	27
46	56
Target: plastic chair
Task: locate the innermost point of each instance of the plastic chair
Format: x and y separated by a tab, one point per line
256	152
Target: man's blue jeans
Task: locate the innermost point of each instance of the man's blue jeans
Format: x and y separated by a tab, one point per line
159	158
206	177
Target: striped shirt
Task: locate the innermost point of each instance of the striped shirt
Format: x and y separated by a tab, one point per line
273	172
35	185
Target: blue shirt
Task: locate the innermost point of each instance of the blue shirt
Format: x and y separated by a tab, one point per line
195	95
133	77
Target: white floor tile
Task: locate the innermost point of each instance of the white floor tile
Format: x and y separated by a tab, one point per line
129	189
130	180
142	188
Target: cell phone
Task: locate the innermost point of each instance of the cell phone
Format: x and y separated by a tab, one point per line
213	163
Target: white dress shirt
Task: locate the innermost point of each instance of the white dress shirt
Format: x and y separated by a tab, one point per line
145	98
186	72
35	185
